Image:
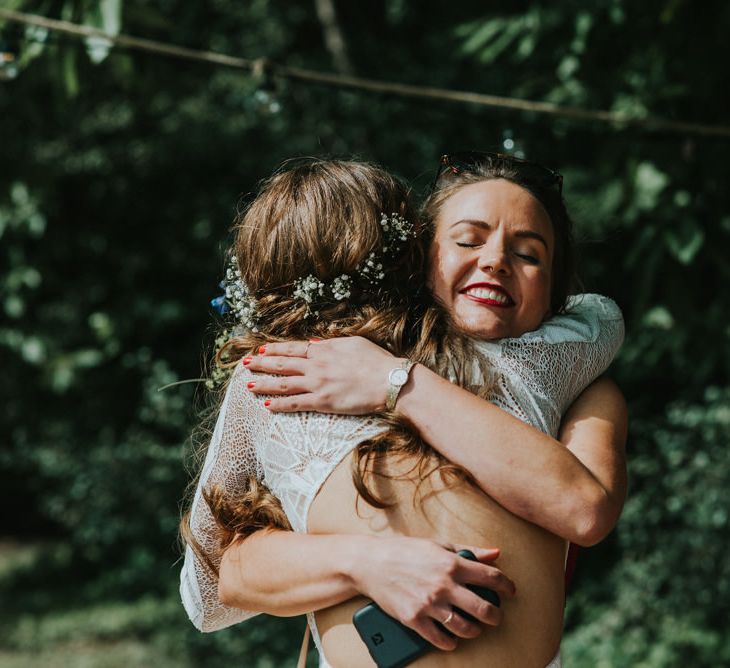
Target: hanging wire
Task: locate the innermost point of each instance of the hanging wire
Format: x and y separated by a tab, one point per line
614	118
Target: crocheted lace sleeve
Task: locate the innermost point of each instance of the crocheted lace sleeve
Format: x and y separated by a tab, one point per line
230	460
542	372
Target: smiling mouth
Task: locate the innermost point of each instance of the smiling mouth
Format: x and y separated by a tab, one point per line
488	294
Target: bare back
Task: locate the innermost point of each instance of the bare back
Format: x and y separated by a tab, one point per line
533	558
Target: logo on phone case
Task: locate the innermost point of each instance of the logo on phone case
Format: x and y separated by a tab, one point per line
377	638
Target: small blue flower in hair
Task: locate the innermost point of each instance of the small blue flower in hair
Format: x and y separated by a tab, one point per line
237	298
220	305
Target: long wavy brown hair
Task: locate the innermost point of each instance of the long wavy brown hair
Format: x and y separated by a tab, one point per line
322	218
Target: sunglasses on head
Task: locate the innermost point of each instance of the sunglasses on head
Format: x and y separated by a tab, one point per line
471	161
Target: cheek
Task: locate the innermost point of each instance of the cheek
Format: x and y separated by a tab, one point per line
539	289
545	292
436	282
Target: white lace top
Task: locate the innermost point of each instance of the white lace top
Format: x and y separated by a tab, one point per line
538	375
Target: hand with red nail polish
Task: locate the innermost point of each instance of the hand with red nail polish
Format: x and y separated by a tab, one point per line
342	375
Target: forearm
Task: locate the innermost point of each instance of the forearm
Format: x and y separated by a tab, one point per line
573	487
525	470
414	580
285	573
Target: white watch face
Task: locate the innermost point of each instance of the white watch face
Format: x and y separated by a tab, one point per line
398	377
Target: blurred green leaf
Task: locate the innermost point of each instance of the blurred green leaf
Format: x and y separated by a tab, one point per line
684	240
650	183
105	15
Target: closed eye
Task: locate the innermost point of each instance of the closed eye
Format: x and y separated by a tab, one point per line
528	258
464	244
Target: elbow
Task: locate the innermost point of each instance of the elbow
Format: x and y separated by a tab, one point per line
252	601
234	597
236	590
233	589
239	597
593	520
588	532
230	596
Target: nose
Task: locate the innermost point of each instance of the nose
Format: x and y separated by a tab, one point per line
494	258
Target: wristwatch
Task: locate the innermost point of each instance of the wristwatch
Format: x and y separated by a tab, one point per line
397	378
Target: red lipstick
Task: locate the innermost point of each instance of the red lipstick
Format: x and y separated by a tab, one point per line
489	294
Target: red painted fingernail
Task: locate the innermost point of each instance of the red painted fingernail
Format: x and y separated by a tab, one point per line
314	339
250	385
267	403
262	350
247	360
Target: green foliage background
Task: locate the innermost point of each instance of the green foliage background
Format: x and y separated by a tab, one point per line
119	177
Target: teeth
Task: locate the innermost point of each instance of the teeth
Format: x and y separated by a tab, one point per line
486	293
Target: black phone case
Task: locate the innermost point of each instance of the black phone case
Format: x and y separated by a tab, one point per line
393	645
390	643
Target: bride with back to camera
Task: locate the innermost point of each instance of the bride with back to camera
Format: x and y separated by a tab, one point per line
494	474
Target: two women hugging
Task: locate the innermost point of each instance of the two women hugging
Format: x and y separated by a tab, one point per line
405	384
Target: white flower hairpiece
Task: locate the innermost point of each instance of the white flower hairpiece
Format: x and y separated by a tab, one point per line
310	289
395	230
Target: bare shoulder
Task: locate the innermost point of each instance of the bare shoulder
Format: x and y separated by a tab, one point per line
602	396
602	402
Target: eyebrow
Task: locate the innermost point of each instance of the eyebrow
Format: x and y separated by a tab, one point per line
523	234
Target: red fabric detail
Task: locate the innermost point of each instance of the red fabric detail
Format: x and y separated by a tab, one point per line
570	563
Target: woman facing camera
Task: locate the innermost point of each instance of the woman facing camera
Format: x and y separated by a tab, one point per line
496	476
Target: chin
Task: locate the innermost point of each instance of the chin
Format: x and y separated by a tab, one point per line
485	331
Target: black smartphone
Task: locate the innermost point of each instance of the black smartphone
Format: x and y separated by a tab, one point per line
393	645
390	643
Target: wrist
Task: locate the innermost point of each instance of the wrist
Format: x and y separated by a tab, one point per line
354	568
398	378
420	380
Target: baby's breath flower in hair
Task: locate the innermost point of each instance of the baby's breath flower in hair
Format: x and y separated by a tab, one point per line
341	287
310	289
371	270
396	229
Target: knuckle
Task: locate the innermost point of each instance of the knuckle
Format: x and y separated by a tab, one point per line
427	599
452	566
410	617
481	610
441	586
463	627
